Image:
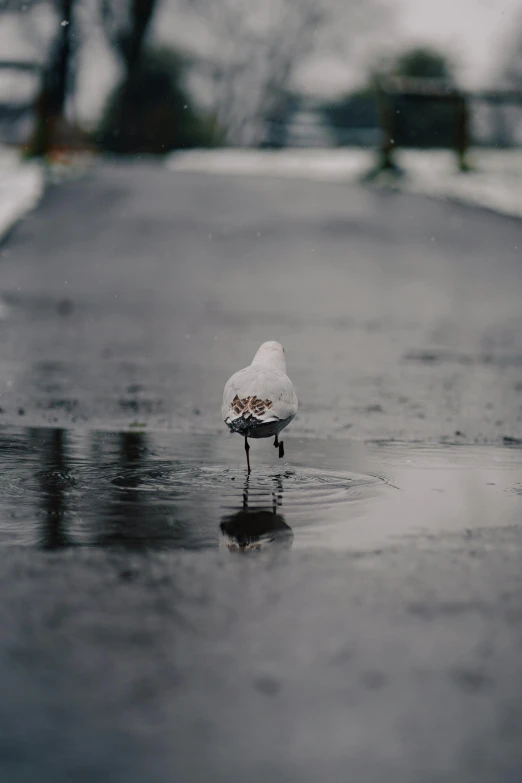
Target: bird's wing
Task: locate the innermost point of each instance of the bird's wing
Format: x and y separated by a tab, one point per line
263	393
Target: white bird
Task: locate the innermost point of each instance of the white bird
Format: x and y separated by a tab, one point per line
259	401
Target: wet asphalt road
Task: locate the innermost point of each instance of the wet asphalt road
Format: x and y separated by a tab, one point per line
131	297
126	300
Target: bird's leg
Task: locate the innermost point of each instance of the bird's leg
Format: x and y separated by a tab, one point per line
281	449
276	441
247	449
245	494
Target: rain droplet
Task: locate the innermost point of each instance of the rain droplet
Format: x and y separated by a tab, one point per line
64	23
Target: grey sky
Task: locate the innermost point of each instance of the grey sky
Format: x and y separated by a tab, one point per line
476	31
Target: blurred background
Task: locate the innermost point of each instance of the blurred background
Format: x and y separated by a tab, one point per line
153	76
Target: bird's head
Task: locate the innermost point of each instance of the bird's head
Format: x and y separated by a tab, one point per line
271	354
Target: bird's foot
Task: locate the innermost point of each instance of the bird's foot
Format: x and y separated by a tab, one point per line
281	449
276	441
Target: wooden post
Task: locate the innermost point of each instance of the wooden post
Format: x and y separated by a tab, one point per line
461	132
386	105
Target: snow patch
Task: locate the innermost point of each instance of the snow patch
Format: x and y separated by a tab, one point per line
495	181
21	187
310	164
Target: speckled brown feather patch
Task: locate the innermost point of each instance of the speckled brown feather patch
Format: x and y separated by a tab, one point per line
250	406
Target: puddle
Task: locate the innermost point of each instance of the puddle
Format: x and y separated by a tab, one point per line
139	491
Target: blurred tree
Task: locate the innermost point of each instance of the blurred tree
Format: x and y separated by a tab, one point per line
511	65
256	50
418	122
50	107
126	23
423	62
423	122
56	77
157	112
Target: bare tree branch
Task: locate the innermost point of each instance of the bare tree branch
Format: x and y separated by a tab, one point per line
258	48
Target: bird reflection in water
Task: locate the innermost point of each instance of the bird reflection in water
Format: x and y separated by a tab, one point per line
253	529
55	481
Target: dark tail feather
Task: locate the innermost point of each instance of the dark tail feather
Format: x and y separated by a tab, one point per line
243	426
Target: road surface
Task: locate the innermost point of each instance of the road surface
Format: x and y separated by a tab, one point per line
385	643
